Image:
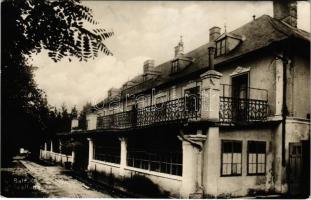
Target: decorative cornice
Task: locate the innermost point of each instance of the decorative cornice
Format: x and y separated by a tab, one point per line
240	70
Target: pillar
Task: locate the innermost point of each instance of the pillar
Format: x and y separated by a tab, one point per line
210	112
279	171
45	150
91	121
210	95
211	168
73	154
278	86
189	169
123	156
51	149
91	152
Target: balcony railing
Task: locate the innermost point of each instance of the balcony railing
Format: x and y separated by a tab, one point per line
175	110
234	110
238	111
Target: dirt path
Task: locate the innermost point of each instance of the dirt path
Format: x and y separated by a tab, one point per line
52	181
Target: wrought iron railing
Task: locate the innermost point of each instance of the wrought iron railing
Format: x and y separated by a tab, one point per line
238	111
117	120
178	109
232	110
174	110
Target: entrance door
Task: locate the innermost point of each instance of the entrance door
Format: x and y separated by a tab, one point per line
81	156
299	168
305	182
240	97
295	168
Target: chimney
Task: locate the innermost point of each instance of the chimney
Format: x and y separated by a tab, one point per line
148	66
286	11
214	33
113	92
179	49
211	55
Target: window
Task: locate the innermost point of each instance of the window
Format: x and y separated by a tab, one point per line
174	66
156	151
156	160
107	150
192	97
231	158
256	158
221	47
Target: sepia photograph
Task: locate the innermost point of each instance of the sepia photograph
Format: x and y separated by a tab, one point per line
155	99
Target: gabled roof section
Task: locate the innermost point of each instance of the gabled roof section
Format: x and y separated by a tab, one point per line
232	35
255	35
260	33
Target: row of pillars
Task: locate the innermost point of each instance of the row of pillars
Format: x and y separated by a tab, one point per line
60	145
201	162
201	151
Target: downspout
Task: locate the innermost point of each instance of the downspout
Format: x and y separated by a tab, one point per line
211	55
284	112
284	108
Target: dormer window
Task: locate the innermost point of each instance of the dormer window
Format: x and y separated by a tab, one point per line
221	47
227	42
174	68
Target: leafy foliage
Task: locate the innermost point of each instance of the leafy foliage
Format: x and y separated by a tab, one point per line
28	26
58	26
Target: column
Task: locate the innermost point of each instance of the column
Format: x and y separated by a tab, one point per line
210	95
211	168
210	112
91	121
73	154
45	150
123	156
279	170
91	152
278	86
189	169
51	151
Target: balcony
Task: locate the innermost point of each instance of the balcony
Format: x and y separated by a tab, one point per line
175	110
236	110
233	111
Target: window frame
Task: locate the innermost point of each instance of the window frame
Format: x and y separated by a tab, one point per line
175	67
221	159
114	152
155	161
221	47
265	164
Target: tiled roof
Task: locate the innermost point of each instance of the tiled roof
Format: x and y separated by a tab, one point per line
256	34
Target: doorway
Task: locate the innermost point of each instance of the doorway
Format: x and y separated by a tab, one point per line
299	168
81	155
240	95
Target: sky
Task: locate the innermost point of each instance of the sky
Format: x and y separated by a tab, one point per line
143	30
